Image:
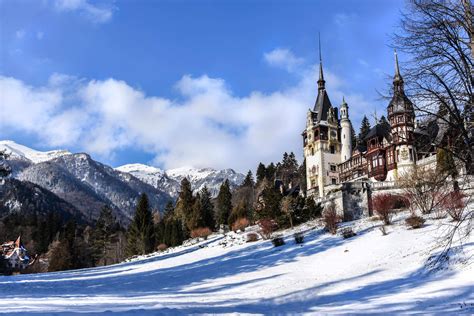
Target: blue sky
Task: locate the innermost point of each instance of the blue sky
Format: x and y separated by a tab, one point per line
172	83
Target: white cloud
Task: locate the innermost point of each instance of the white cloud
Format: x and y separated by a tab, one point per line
97	14
283	58
20	34
207	127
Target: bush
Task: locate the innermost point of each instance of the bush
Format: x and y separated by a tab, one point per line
278	241
162	247
348	233
384	204
201	232
415	221
267	226
330	218
240	224
252	237
454	203
299	238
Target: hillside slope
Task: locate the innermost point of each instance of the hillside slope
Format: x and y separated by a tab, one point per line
369	273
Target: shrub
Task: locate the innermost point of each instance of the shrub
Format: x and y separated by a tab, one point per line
162	247
348	233
278	241
240	224
330	218
201	232
415	221
251	237
384	204
299	238
267	226
454	203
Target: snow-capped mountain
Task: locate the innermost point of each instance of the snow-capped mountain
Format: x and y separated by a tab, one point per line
81	181
89	185
209	177
153	176
20	152
169	180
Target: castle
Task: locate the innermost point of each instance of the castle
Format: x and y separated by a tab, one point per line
388	150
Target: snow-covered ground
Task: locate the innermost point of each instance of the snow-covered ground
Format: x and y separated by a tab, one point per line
369	273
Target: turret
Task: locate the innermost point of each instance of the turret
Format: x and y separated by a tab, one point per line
401	116
346	135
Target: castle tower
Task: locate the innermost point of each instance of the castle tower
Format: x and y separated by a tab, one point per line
346	135
401	116
322	146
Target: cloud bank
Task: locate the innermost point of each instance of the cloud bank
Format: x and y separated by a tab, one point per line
207	126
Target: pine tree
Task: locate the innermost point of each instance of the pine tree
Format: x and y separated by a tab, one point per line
383	121
270	172
261	172
364	129
184	206
248	181
103	233
224	203
270	203
140	232
353	138
207	209
197	219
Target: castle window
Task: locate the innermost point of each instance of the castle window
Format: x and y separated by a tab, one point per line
332	149
333	168
333	181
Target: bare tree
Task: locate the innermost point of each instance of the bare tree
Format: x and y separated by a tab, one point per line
438	37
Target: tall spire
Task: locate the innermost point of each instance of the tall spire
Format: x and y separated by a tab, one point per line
397	69
397	79
321	81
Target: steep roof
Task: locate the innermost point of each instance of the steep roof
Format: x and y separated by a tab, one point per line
322	106
379	130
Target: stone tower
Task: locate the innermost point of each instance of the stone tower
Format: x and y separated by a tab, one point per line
401	116
322	145
346	135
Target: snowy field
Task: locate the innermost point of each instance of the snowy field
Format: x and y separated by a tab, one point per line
369	273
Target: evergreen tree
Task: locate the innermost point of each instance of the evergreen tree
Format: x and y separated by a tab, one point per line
197	219
287	170
269	206
103	233
261	172
238	212
184	206
248	181
224	203
353	138
383	121
140	232
270	172
364	129
207	209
